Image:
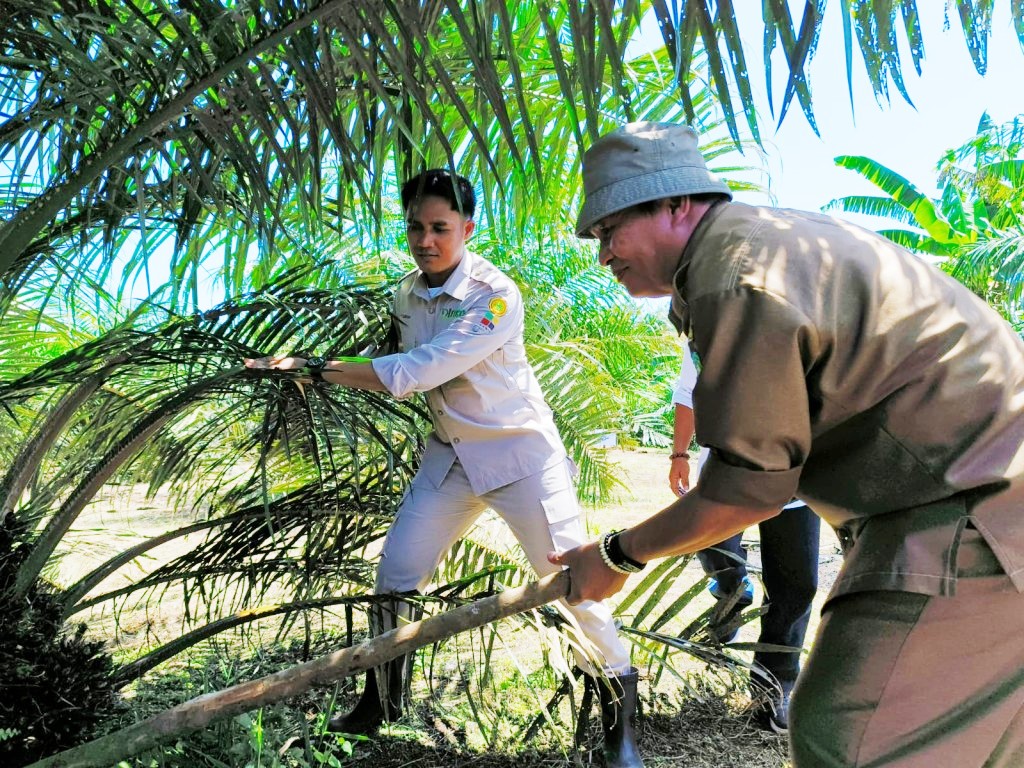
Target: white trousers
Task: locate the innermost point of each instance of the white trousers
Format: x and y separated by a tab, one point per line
542	512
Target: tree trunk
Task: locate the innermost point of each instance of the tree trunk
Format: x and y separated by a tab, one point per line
198	712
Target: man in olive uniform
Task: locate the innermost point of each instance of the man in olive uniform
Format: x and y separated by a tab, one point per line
841	369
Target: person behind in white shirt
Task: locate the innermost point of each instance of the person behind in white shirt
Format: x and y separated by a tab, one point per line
494	444
789	567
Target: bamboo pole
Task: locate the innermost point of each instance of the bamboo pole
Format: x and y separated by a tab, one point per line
200	711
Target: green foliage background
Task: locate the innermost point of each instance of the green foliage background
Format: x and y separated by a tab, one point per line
187	183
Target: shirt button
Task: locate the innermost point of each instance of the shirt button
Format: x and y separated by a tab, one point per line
456	440
430	310
440	412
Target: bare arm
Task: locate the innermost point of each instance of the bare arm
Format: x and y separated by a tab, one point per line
688	525
682	434
342	373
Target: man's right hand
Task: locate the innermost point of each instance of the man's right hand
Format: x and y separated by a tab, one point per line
590	578
679	475
275	363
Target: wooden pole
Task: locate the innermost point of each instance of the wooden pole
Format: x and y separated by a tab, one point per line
200	711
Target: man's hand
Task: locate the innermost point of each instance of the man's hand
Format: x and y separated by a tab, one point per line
275	363
679	475
591	579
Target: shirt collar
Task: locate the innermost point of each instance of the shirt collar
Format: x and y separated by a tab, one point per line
457	284
679	309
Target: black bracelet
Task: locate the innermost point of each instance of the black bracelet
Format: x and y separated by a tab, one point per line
612	554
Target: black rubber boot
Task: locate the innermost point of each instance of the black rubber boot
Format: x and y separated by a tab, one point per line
618	720
384	695
374	708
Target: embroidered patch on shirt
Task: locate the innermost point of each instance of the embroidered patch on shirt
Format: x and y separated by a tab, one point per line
452	313
486	323
498	307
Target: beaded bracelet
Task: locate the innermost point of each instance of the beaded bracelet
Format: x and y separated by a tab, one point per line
615	558
679	455
603	549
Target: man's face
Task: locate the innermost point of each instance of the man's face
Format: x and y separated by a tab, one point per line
437	237
641	249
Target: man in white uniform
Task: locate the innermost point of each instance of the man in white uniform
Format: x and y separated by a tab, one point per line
494	443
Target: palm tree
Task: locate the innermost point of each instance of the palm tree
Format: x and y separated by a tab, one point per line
263	126
285	483
146	144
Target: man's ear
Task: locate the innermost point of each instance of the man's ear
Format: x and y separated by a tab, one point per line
470	225
681	209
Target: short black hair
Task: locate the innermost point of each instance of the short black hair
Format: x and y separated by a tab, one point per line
441	183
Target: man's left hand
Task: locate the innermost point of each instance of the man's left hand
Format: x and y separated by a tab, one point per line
590	578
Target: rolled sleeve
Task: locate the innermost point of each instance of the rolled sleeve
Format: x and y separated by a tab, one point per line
744	487
394	376
462	345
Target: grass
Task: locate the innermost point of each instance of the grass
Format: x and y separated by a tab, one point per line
476	697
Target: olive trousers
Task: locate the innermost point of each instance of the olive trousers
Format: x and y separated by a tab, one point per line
905	680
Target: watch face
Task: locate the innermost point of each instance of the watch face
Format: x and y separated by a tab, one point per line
316	362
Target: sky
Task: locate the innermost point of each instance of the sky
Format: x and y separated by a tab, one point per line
949	98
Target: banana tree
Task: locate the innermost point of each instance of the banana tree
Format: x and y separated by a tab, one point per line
975	226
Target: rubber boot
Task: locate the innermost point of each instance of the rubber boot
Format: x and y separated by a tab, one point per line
618	720
374	707
384	695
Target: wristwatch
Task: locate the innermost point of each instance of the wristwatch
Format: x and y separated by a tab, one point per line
315	366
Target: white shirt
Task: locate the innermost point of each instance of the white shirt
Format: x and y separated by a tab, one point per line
464	350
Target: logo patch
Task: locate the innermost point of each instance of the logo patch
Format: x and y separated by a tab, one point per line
498	307
485	323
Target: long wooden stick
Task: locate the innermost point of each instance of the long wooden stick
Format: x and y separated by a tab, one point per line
200	711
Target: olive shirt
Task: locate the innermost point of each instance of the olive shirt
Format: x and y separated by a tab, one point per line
840	368
464	349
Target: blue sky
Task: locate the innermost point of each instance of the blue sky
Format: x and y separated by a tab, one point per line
949	99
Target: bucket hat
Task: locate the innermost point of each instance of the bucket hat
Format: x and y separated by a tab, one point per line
640	162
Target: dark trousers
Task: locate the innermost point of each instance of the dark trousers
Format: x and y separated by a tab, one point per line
789	570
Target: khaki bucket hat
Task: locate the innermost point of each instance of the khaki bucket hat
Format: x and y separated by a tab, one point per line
640	162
